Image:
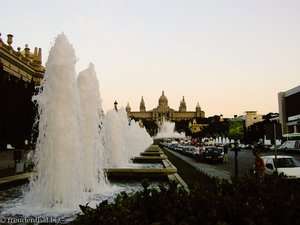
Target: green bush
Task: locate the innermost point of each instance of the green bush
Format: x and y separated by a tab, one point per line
242	202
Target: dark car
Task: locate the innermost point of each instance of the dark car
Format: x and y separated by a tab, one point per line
212	154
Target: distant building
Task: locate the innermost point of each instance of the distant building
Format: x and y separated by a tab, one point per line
242	127
164	112
20	72
252	117
289	110
237	127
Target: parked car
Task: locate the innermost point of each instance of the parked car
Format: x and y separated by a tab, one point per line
291	145
287	165
261	147
212	154
249	147
189	150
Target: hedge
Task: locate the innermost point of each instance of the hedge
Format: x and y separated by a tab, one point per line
245	201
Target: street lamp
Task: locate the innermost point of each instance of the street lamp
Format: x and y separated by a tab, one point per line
236	167
275	148
116	105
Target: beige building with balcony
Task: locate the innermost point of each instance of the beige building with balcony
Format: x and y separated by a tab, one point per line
252	117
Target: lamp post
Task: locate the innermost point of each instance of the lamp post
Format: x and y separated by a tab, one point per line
275	148
116	105
236	167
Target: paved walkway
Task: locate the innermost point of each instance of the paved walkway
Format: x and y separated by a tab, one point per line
191	175
207	169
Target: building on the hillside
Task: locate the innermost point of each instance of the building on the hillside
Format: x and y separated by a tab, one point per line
289	110
237	127
252	117
164	112
20	72
240	127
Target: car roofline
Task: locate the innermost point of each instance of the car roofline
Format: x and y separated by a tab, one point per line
278	156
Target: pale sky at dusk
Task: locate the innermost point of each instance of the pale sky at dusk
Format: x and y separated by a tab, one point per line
229	55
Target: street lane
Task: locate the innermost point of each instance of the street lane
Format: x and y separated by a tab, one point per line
227	170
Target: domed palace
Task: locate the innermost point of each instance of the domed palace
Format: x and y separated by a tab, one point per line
164	112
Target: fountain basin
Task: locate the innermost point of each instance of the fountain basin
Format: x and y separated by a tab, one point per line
151	153
12	181
141	173
153	148
149	159
138	173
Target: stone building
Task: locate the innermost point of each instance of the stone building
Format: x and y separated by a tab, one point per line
252	117
20	72
164	112
21	64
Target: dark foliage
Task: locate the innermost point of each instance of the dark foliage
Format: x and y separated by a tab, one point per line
242	202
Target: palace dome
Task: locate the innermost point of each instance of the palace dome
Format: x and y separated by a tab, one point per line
163	101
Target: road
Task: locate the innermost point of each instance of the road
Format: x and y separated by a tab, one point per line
245	161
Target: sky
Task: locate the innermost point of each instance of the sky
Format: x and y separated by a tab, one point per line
231	56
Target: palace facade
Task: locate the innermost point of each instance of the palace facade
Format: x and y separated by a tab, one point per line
21	64
20	71
164	112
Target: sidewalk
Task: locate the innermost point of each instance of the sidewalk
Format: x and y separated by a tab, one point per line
207	169
191	175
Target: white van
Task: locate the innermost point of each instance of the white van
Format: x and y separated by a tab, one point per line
290	145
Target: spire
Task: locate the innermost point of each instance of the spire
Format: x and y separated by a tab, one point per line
198	108
128	108
35	55
182	106
142	105
39	56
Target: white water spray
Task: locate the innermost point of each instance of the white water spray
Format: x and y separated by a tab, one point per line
123	140
92	144
59	150
70	152
138	139
167	130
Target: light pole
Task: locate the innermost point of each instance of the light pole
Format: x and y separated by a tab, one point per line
236	167
116	105
275	148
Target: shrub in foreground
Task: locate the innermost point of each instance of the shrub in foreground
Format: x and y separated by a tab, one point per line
246	201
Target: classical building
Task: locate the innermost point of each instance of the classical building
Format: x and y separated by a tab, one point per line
164	112
20	72
23	64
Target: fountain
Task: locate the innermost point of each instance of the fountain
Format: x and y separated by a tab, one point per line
167	130
59	149
76	142
123	140
90	100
